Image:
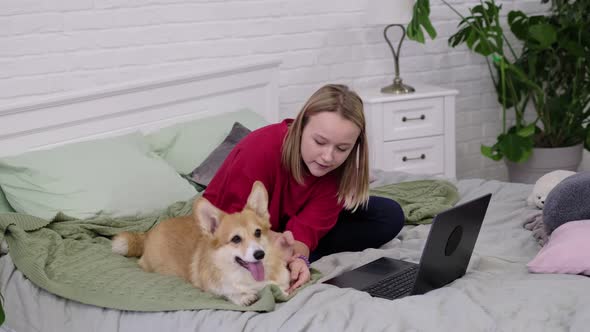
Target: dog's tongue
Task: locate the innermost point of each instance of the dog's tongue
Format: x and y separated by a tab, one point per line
257	270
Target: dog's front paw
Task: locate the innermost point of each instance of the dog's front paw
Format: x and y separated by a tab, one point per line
243	299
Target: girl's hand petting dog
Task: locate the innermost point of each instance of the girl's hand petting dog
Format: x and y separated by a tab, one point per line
300	273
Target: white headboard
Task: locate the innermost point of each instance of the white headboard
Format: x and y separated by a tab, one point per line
144	106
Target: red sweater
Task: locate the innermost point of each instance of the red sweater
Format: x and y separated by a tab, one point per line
309	210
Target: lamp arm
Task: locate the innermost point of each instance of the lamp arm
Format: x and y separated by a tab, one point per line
398	87
399	45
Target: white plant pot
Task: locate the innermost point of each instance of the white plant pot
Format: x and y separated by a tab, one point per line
543	161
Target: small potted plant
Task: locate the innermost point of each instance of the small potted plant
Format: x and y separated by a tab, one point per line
548	71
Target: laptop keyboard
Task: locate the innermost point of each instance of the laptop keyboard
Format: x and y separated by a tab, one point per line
394	286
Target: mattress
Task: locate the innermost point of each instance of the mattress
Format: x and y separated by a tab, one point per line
496	294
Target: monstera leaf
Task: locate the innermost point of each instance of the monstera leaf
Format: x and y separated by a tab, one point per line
515	145
421	20
481	31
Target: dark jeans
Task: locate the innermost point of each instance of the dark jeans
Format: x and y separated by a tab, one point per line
370	227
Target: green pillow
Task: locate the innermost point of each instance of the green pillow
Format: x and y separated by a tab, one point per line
187	145
111	177
4	205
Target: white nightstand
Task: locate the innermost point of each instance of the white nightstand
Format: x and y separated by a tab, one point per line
414	132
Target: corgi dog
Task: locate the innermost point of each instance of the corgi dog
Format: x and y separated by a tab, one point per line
230	255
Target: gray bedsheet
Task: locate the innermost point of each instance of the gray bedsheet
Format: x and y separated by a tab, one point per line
496	294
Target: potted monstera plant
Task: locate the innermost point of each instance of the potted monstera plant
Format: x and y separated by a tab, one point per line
547	71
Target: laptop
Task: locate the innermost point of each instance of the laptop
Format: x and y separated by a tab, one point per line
444	259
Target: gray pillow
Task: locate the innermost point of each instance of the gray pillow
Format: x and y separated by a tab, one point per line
203	174
568	201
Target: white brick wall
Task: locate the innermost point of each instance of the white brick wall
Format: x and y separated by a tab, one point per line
48	47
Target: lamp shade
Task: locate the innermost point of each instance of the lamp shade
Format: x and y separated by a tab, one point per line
390	11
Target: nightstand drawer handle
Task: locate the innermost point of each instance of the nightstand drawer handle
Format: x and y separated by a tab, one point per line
422	156
422	117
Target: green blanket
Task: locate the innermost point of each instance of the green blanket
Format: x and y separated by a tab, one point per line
72	258
420	200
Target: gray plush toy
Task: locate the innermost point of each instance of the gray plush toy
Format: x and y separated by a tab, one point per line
568	201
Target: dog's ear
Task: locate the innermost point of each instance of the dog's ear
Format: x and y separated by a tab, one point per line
284	242
258	200
206	215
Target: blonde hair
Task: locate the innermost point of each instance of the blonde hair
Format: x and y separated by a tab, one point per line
353	187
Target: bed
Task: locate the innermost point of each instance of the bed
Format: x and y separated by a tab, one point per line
497	293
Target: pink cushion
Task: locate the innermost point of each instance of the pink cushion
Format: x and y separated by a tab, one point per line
568	250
